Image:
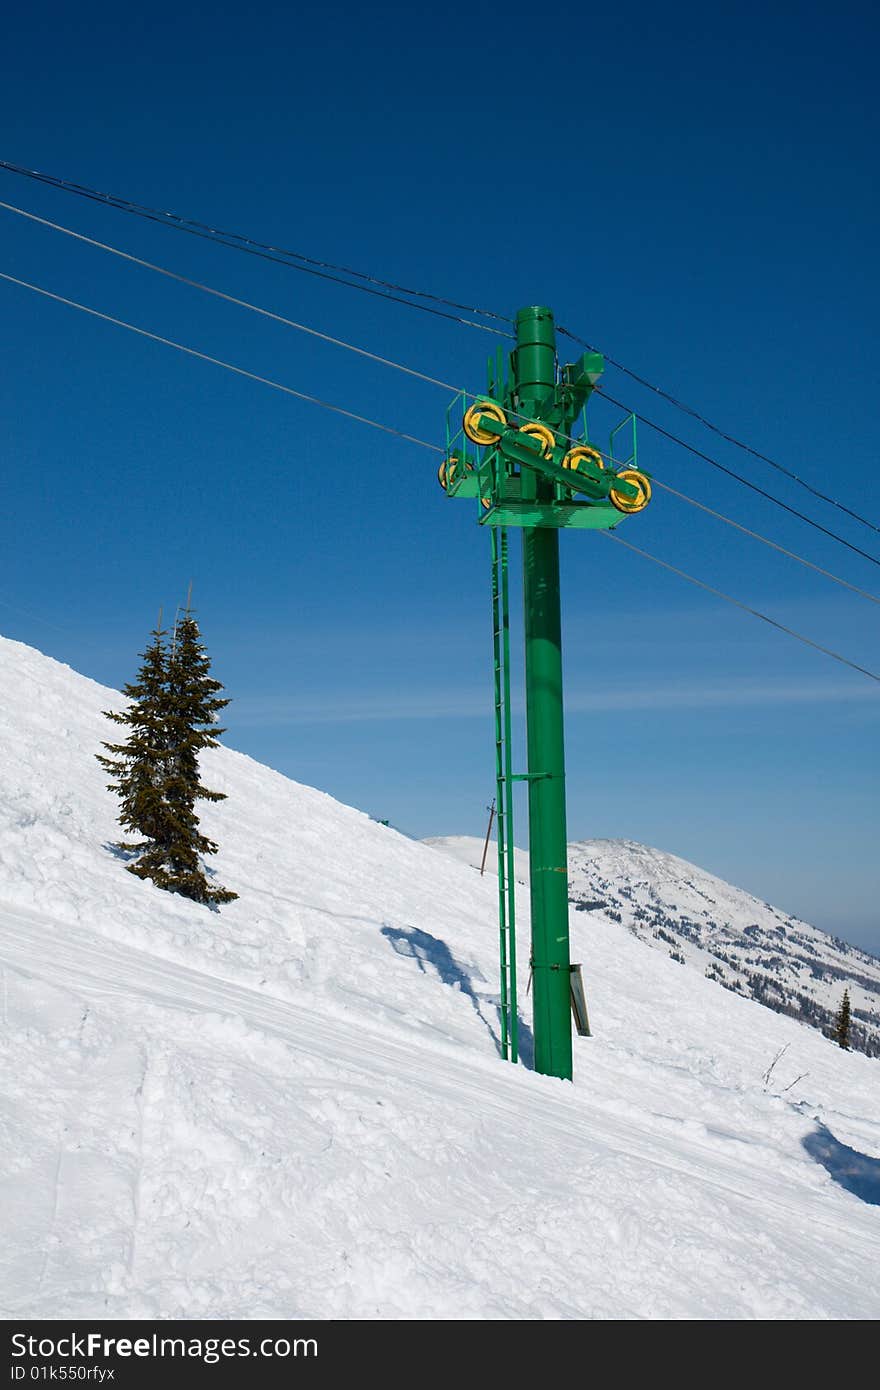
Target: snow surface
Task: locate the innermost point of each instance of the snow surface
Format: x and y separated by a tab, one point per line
704	923
295	1107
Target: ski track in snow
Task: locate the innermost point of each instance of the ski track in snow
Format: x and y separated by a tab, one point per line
73	961
295	1108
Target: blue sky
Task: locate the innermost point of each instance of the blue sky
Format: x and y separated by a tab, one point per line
693	190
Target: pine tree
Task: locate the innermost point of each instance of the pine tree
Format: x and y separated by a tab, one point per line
157	770
138	765
193	704
842	1022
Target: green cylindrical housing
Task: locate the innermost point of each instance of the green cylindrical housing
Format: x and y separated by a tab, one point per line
535	362
535	356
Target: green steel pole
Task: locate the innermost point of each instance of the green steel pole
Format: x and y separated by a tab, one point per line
535	380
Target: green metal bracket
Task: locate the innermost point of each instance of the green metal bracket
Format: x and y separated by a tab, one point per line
596	483
578	381
574	516
469	477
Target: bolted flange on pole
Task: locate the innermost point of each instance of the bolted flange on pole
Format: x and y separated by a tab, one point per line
534	370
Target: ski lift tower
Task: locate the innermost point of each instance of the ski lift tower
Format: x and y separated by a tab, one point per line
523	451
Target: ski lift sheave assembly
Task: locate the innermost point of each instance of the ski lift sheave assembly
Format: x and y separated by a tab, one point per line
515	451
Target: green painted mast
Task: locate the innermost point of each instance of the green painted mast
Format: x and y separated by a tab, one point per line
531	472
534	384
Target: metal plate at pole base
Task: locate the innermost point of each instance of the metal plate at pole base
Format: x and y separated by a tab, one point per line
579	1002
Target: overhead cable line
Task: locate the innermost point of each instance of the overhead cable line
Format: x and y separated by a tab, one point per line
722	468
737	603
397	366
722	434
218	362
387	289
35	617
410	438
294	260
765	540
229	298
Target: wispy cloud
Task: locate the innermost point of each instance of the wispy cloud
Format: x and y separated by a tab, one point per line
694	695
269	711
274	711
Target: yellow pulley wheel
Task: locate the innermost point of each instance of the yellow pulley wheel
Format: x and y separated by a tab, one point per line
631	504
582	452
542	432
447	470
471	422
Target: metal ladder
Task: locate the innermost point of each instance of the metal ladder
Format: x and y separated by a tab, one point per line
504	780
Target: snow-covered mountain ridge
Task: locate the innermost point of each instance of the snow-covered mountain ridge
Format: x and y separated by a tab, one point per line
295	1107
746	945
701	921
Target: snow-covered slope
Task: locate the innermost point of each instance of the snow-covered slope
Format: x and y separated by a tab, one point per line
727	934
295	1107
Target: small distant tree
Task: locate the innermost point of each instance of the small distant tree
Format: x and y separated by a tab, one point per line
156	771
842	1022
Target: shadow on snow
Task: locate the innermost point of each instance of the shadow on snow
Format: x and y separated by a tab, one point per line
856	1172
432	954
